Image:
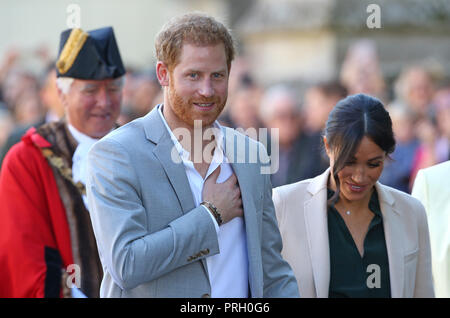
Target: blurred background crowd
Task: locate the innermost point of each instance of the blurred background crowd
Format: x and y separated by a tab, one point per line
296	59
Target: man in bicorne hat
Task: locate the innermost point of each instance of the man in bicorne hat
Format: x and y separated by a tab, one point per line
47	245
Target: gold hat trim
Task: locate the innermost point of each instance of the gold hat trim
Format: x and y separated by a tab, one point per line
70	51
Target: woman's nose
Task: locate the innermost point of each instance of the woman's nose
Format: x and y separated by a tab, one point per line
358	174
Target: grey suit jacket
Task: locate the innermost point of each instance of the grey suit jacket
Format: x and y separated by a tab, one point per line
152	239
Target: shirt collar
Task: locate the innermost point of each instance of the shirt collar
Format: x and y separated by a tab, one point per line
184	154
80	137
374	203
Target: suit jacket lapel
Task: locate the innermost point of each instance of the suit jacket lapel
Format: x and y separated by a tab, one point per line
250	225
157	133
237	161
164	150
394	245
176	174
315	212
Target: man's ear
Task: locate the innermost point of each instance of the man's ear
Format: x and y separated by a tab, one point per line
162	72
62	97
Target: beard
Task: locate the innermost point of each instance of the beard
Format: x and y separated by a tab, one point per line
184	107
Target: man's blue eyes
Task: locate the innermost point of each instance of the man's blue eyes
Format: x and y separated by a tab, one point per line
214	75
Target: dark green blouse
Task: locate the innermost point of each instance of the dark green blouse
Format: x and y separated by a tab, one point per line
351	274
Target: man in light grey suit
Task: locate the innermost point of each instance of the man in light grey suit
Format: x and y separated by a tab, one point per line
179	208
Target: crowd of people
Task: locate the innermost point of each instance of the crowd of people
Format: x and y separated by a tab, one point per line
418	102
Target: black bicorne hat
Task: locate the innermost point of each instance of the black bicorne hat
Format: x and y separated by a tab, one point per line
91	55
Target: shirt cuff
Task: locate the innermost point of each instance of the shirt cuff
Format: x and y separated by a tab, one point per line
216	225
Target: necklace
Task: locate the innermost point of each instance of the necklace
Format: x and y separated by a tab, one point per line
348	212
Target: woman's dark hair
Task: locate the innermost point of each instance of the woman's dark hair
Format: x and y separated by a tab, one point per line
350	120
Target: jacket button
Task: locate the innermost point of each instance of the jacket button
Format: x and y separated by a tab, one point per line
206	296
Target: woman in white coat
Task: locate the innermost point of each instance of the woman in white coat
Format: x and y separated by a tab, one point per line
345	234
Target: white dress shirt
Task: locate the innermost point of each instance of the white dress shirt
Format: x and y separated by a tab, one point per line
79	162
228	270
